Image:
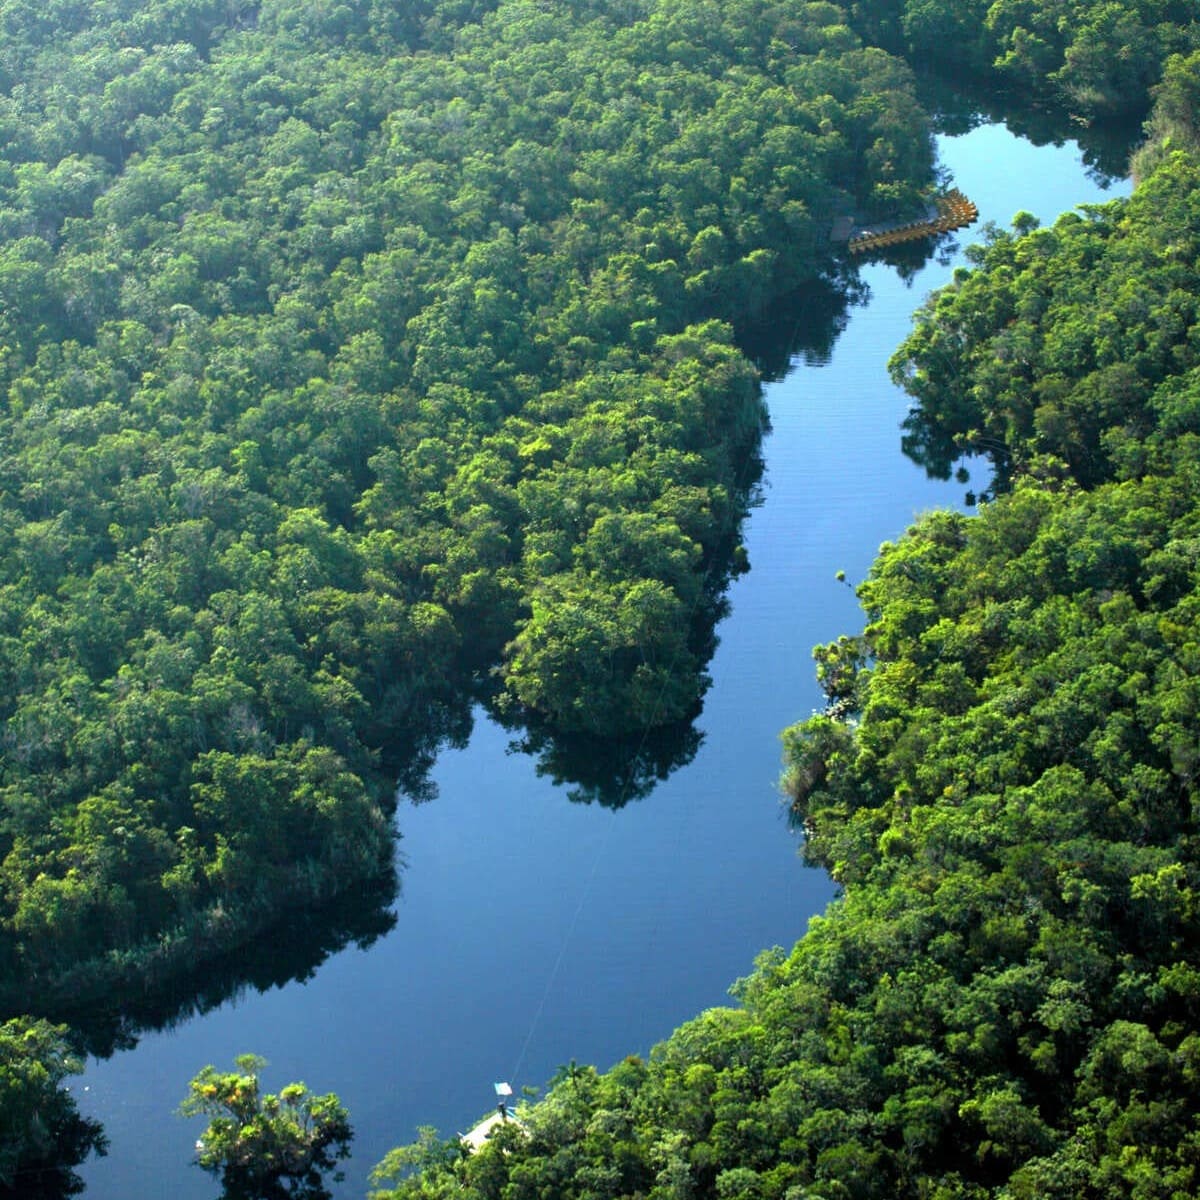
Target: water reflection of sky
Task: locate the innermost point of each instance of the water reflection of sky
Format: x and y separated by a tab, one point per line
532	930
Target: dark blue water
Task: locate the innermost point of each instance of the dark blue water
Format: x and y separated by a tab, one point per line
532	930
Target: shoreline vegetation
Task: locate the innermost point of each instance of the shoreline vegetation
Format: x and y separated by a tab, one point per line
1087	61
1005	999
361	362
356	364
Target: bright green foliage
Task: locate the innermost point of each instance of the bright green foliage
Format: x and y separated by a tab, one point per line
1072	351
1005	1000
1012	814
357	365
42	1135
266	1147
1175	122
428	1155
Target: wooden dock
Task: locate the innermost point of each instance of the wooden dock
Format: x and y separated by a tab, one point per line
950	211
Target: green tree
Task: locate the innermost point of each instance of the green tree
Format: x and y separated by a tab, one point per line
267	1147
42	1135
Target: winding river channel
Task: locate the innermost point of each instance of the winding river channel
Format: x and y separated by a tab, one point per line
532	929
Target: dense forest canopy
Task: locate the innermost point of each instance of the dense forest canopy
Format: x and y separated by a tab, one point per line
1094	59
1005	1000
362	360
1069	354
348	358
358	361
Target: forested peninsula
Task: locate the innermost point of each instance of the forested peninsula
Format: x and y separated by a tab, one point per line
349	360
1005	999
362	362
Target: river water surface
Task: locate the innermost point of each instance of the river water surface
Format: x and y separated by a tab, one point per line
532	930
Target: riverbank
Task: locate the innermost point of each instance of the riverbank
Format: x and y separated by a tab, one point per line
667	900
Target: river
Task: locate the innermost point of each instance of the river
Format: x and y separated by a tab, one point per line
532	930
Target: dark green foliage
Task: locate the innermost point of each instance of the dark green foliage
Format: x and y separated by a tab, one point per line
42	1135
1072	351
1175	122
1092	58
1004	1000
351	357
1012	814
358	362
353	360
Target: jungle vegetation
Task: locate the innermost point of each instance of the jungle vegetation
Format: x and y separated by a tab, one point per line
361	361
1005	999
267	1146
355	362
1091	59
